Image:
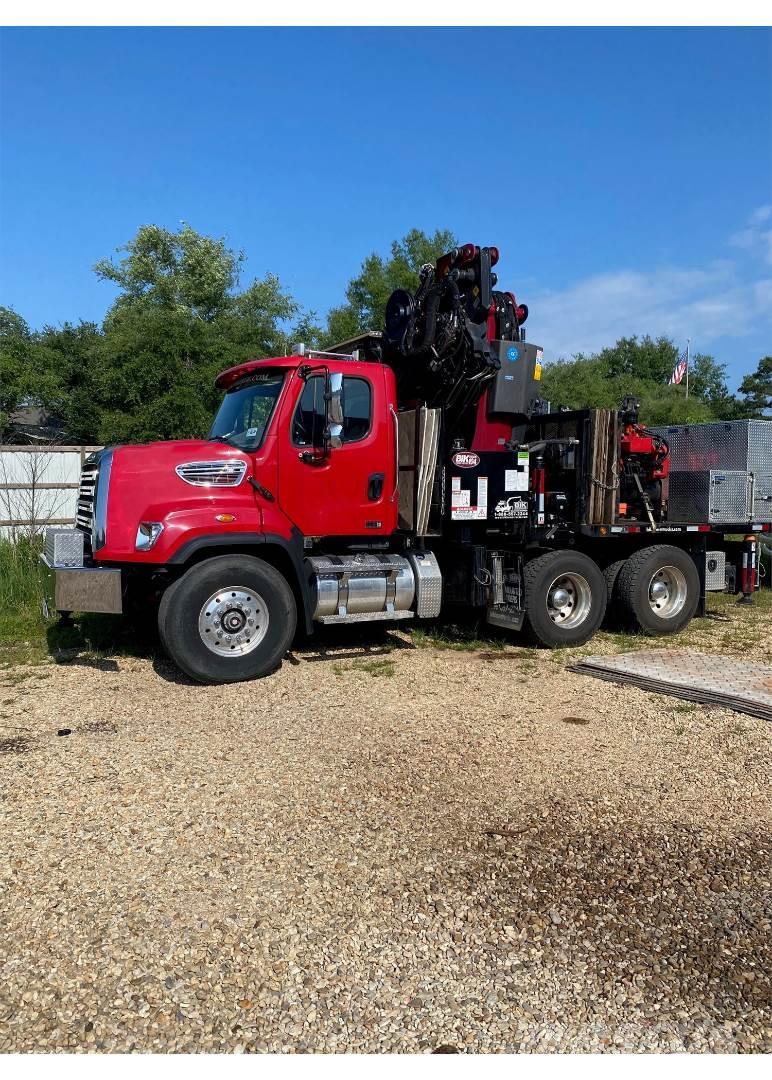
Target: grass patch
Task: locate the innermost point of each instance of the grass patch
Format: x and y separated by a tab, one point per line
22	626
376	668
457	637
28	639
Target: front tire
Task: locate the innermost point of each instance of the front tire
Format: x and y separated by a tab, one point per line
228	619
659	589
565	598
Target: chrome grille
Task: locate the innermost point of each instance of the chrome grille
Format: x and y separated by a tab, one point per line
223	473
84	514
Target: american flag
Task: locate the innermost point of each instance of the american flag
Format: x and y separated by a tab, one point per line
680	369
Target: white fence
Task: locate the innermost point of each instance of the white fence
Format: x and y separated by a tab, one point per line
38	487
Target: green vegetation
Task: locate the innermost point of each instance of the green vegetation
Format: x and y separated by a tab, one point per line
642	368
181	315
462	638
27	638
22	627
376	668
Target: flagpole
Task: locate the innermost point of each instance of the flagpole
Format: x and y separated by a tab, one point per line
688	340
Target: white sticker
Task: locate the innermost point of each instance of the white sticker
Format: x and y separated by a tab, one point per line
455	483
508	509
482	492
469	513
252	433
461	498
515	479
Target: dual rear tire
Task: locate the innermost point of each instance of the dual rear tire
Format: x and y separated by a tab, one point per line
567	596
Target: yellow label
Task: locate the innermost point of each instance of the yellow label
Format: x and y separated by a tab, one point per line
537	372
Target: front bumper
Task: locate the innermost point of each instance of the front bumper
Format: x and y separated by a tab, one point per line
81	588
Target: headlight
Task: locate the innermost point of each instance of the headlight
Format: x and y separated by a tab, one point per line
147	534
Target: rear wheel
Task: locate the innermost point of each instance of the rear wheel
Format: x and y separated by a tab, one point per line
565	598
228	619
659	589
611	574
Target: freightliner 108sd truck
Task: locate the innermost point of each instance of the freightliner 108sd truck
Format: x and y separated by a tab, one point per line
410	471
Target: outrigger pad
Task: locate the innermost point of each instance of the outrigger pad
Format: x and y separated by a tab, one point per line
727	681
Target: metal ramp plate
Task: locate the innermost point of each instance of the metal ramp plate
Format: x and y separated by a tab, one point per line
685	673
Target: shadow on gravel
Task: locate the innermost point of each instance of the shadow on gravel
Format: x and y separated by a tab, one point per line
674	913
92	640
335	643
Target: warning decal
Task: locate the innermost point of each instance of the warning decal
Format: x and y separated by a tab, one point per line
461	506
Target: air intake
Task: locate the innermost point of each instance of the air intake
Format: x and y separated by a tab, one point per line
224	473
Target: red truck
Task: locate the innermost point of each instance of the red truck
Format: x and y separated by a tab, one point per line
405	473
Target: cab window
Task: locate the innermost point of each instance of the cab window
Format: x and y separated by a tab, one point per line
308	421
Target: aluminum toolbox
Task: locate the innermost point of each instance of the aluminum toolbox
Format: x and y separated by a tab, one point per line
64	547
714	496
738	445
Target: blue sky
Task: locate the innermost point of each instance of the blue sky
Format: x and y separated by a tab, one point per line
625	175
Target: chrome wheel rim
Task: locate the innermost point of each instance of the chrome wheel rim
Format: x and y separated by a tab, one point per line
233	621
569	599
667	592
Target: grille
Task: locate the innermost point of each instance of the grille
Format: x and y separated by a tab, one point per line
84	514
225	473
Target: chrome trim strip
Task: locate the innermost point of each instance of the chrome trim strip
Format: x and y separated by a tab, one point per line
99	524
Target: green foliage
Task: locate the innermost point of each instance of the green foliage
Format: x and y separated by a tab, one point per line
367	293
757	389
177	322
182	271
181	316
642	368
24	373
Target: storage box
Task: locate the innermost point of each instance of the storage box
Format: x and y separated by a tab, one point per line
736	445
715	497
64	547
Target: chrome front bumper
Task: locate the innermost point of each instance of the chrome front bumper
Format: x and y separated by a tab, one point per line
81	588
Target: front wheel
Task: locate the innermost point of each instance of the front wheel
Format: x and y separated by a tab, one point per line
565	598
228	619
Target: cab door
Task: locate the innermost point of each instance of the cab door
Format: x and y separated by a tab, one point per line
348	489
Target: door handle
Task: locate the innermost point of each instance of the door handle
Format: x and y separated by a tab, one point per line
375	486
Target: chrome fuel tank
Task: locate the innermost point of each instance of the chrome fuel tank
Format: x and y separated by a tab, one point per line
380	586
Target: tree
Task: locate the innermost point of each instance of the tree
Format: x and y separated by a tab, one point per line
25	377
71	355
641	368
182	271
15	373
367	293
756	389
649	358
178	320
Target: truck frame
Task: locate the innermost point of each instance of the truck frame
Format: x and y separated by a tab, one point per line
405	473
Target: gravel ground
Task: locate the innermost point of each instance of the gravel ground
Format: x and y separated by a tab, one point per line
379	850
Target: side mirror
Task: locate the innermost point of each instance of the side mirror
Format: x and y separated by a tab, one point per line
333	432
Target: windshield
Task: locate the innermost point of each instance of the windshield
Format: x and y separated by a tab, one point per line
246	409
